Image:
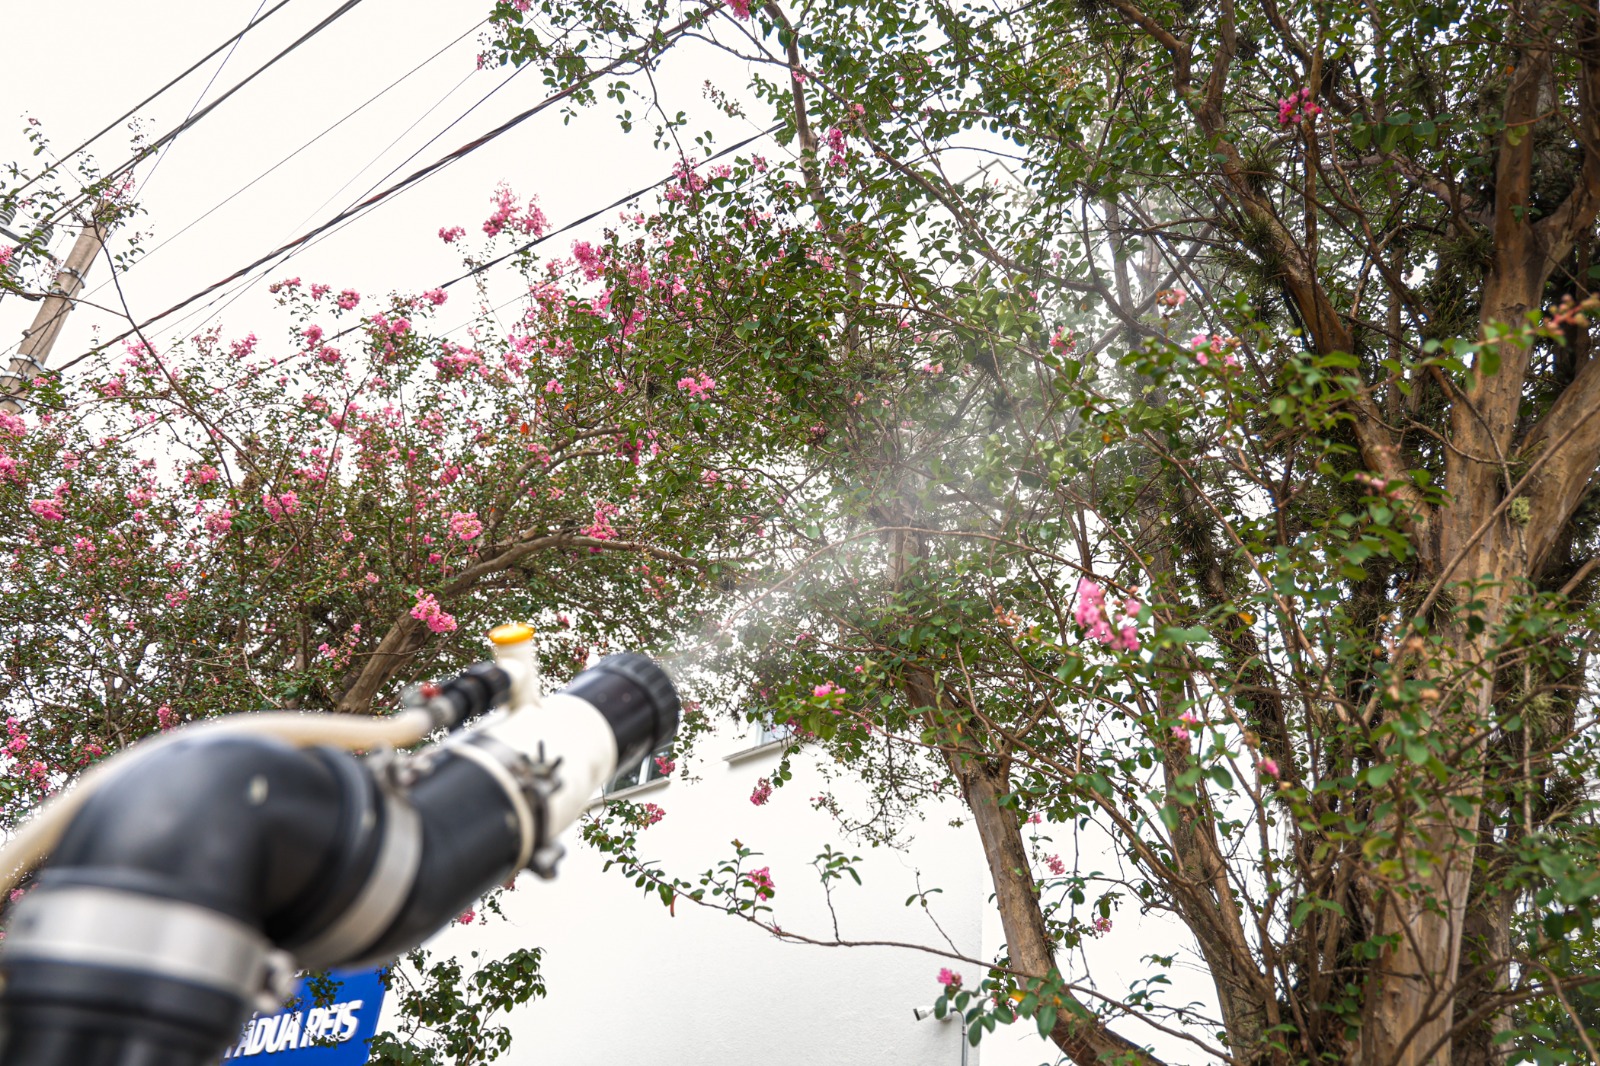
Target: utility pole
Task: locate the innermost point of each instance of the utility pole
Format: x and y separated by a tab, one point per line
38	339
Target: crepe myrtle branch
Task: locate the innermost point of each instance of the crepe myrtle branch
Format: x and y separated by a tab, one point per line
670	890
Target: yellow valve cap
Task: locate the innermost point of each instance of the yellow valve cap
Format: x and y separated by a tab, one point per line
511	633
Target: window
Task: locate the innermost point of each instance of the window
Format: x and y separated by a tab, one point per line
642	772
771	733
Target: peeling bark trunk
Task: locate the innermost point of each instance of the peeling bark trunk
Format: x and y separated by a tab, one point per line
1086	1041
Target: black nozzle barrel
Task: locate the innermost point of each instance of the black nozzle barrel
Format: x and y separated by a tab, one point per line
464	697
635	695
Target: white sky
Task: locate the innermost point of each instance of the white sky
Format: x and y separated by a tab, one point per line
77	73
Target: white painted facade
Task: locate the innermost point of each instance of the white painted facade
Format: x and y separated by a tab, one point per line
629	982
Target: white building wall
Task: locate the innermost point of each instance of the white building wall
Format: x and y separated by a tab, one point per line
629	982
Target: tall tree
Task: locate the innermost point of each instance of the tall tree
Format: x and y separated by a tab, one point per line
1356	506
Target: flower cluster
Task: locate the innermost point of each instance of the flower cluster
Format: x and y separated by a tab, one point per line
650	814
508	214
1297	106
1206	345
602	529
762	793
452	234
1057	867
761	881
949	978
837	148
1171	299
699	386
666	765
589	261
741	8
1091	613
427	610
688	184
465	525
284	503
1186	721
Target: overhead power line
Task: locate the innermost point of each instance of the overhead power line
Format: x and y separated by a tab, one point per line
215	74
492	263
404	183
114	123
292	155
165	138
228	299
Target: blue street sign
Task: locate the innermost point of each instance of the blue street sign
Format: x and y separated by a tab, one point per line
306	1034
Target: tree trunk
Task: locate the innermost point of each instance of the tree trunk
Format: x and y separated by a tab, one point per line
1084	1039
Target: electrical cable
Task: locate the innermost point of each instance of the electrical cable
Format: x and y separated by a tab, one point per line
400	186
215	74
286	159
134	109
227	299
170	135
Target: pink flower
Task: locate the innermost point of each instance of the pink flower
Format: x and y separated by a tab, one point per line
762	793
220	523
49	510
451	235
554	387
761	881
601	529
465	525
1091	613
467	917
1172	298
949	978
436	296
348	299
1296	106
837	146
827	689
10	423
1057	867
699	386
650	814
1102	924
1267	766
166	718
741	8
427	610
665	765
591	262
7	253
505	216
284	504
